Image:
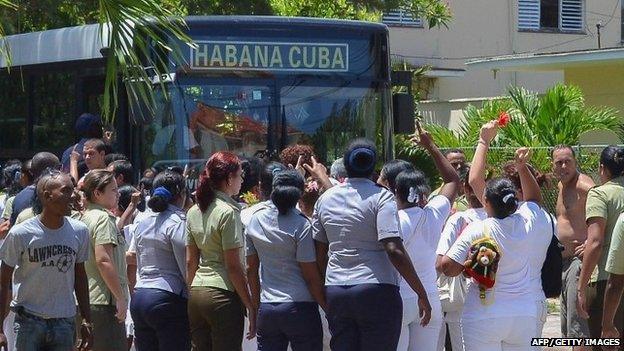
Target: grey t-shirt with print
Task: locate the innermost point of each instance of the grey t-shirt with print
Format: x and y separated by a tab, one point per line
44	261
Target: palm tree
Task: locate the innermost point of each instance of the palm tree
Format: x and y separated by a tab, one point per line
4	49
559	116
135	32
130	29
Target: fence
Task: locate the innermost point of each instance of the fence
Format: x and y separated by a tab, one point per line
587	156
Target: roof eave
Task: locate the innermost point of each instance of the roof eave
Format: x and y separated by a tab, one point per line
549	62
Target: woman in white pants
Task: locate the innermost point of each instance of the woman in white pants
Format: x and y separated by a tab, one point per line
540	233
421	225
506	318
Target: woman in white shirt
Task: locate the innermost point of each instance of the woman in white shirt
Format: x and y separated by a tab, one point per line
542	227
421	225
507	318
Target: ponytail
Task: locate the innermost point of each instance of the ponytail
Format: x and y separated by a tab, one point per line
168	186
218	168
612	158
287	190
411	186
501	194
205	193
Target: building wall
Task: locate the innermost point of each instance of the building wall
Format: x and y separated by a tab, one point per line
484	28
602	86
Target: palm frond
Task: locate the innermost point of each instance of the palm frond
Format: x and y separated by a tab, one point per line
138	34
444	136
5	51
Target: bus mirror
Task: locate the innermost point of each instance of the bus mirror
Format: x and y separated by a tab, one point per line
403	111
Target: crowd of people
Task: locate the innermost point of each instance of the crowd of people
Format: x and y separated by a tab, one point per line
95	259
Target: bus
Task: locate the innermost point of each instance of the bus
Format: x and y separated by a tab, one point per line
251	84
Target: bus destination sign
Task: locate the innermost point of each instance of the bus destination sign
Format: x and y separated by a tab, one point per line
269	56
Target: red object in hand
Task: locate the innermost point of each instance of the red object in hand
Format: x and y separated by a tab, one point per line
503	119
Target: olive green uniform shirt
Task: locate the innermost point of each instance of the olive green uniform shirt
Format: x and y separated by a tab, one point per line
615	259
8	208
605	201
102	231
217	229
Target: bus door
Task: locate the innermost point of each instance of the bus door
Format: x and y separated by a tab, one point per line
89	95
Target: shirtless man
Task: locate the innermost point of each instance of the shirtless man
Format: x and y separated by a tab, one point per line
572	232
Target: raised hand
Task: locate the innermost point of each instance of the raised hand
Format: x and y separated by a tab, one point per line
488	131
317	170
108	137
422	138
135	198
523	155
299	167
75	155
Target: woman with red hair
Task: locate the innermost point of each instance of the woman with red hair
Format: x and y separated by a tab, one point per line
215	274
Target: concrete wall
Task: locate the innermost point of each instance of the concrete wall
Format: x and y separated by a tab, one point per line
602	86
483	28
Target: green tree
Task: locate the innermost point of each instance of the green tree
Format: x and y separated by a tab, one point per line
559	116
133	30
5	5
130	28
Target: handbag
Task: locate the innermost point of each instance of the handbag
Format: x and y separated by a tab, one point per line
553	266
453	290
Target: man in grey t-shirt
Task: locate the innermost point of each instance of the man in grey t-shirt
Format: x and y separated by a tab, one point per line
46	255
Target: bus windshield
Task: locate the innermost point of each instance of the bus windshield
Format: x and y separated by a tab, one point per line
248	117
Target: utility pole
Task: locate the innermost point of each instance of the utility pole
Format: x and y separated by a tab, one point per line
598	26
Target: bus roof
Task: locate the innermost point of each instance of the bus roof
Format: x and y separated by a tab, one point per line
83	42
55	45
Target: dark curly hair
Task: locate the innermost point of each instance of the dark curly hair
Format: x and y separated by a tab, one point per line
290	155
510	172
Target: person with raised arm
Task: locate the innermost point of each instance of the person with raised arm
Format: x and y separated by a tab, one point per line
500	309
421	225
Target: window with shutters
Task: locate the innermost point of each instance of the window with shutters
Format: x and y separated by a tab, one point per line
401	18
551	15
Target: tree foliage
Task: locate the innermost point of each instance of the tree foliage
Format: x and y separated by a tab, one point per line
5	5
559	116
128	27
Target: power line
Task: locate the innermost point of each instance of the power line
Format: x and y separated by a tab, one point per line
602	14
617	2
591	34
